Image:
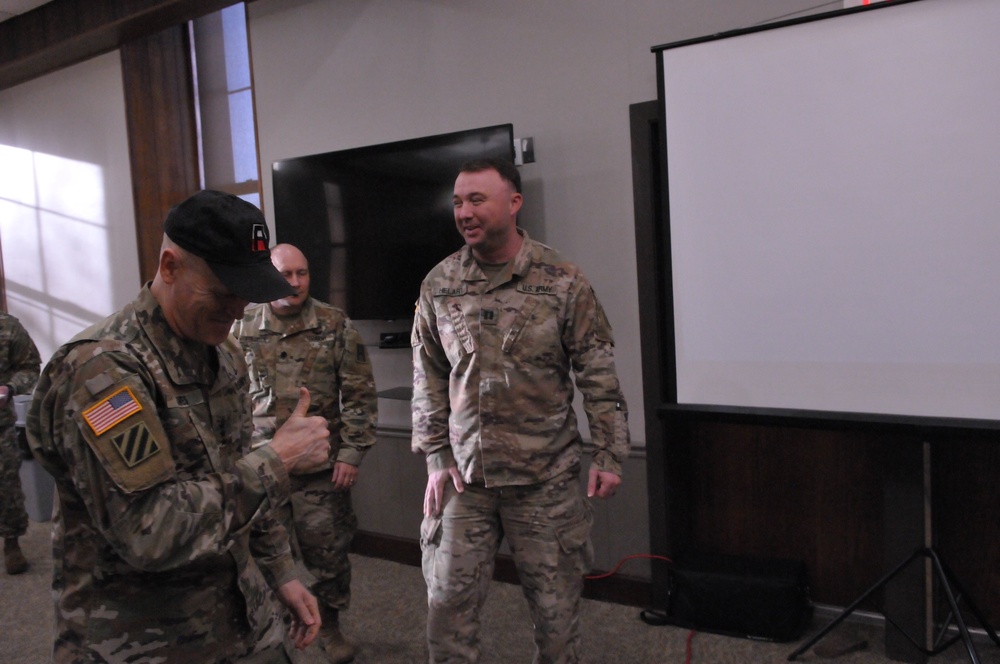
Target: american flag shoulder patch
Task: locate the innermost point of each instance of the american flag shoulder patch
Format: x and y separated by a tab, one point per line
111	410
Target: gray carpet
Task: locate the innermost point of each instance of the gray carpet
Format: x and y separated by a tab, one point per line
386	621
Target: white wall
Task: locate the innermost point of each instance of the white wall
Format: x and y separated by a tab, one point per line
67	226
334	74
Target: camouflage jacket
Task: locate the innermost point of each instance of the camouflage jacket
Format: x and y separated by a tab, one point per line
492	390
318	349
163	544
19	364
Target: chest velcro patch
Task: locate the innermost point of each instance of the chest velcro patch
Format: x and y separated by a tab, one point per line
135	445
450	291
537	289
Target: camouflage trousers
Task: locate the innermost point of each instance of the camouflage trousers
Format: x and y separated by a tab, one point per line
547	527
323	524
13	517
271	656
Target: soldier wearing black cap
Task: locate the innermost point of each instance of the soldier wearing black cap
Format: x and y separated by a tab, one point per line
165	541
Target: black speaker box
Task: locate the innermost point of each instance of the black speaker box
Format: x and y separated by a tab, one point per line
756	598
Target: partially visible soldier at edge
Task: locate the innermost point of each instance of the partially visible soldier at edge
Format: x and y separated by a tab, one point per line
500	326
165	544
299	341
19	365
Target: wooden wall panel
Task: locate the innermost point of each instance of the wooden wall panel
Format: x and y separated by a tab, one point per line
966	508
800	494
163	147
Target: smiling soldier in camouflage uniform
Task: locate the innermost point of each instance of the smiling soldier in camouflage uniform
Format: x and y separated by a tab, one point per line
499	326
165	547
19	365
299	341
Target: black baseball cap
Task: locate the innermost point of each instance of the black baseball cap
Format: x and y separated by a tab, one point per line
231	235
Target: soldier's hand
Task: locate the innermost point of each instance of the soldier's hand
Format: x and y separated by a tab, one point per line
434	493
601	483
303	442
304	611
344	476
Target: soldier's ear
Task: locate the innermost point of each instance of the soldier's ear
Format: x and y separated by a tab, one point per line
515	203
170	264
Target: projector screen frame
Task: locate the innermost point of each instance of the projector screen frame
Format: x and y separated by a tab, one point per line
671	408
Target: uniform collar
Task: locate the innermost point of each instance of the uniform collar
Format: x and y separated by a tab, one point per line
185	362
519	265
305	320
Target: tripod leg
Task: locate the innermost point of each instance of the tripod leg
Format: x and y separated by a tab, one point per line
854	605
946	587
950	576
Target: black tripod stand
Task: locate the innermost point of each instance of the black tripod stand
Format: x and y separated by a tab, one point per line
947	581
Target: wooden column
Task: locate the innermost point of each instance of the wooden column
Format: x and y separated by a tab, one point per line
163	141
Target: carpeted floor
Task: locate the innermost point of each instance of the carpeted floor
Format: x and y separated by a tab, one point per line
386	621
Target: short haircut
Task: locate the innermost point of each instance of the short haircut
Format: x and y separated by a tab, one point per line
504	167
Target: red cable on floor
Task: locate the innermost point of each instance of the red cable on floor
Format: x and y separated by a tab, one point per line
690	636
622	562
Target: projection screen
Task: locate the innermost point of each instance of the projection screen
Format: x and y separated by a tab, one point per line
833	195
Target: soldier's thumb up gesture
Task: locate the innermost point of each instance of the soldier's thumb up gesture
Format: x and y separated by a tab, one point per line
303	442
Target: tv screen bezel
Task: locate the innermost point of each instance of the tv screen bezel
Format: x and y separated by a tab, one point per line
383	266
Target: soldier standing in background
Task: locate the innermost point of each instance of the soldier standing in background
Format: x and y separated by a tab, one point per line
165	546
499	326
298	341
19	366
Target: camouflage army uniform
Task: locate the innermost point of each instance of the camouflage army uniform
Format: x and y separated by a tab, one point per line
321	350
164	549
19	364
493	396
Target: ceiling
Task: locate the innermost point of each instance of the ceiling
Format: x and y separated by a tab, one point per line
11	8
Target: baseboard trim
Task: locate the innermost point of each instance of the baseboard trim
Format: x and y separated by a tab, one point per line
618	589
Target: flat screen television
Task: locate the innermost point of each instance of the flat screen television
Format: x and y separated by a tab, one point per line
373	220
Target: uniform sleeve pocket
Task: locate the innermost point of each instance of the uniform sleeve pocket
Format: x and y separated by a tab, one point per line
462	334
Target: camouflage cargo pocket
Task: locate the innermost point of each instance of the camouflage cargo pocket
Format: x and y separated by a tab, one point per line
430	539
430	531
574	538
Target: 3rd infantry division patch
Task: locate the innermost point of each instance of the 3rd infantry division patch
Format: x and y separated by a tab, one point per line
135	445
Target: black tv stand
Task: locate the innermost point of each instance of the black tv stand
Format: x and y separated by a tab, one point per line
394	339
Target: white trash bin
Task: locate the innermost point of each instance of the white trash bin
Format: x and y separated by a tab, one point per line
21	402
38	486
